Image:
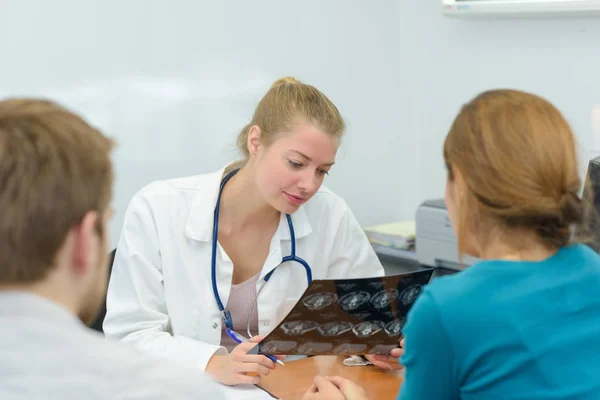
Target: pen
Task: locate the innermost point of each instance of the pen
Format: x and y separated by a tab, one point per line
240	339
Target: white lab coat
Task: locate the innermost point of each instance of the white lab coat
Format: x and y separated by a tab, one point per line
160	295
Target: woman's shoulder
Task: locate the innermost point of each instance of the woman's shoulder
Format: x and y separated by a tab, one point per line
578	251
485	276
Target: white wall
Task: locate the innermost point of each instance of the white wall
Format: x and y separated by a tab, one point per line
447	61
174	81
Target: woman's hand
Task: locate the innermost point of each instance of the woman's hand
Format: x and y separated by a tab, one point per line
389	362
334	388
233	368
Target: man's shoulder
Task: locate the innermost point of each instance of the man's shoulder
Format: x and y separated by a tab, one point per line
156	377
69	361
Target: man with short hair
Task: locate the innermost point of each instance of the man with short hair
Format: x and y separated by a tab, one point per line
55	192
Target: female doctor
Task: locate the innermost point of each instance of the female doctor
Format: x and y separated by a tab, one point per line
236	248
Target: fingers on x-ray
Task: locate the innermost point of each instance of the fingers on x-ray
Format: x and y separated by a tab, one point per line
277	346
368	328
410	294
318	301
352	301
383	349
384	298
350	348
314	348
296	328
394	328
334	328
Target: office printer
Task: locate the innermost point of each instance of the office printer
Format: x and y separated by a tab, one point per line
435	241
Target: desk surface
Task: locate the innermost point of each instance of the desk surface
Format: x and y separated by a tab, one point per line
290	382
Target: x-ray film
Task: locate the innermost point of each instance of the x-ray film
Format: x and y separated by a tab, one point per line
347	316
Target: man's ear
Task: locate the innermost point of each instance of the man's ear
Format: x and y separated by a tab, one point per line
254	136
85	241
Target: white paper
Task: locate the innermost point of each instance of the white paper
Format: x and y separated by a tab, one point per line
244	392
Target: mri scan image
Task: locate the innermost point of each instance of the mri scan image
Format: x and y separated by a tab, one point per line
296	328
368	328
314	348
409	295
352	301
294	315
277	346
362	315
349	348
384	298
317	286
318	301
376	285
346	286
394	328
329	315
383	349
334	328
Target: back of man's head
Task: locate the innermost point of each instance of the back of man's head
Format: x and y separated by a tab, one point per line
55	190
54	170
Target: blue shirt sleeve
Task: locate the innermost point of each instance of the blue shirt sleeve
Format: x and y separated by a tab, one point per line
428	358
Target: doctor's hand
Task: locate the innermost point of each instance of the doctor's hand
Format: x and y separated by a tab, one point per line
389	362
334	388
233	368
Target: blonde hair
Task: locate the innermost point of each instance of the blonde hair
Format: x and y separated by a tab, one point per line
288	102
518	157
54	168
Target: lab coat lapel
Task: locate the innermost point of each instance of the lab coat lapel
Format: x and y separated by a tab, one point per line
199	224
282	239
275	256
302	227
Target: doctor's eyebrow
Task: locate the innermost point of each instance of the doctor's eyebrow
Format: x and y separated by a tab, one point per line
307	158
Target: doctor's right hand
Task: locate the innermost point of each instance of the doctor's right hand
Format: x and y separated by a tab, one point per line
233	368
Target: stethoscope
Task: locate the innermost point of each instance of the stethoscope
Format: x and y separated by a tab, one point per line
225	314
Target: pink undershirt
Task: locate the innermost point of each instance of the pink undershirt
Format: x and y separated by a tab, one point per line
240	300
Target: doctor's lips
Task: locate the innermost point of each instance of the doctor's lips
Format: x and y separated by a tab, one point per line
295	199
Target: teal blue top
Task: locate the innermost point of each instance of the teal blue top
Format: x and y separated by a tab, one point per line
508	330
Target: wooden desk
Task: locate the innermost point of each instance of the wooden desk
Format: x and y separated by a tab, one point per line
290	382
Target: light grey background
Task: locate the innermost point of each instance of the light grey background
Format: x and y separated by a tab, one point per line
174	81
